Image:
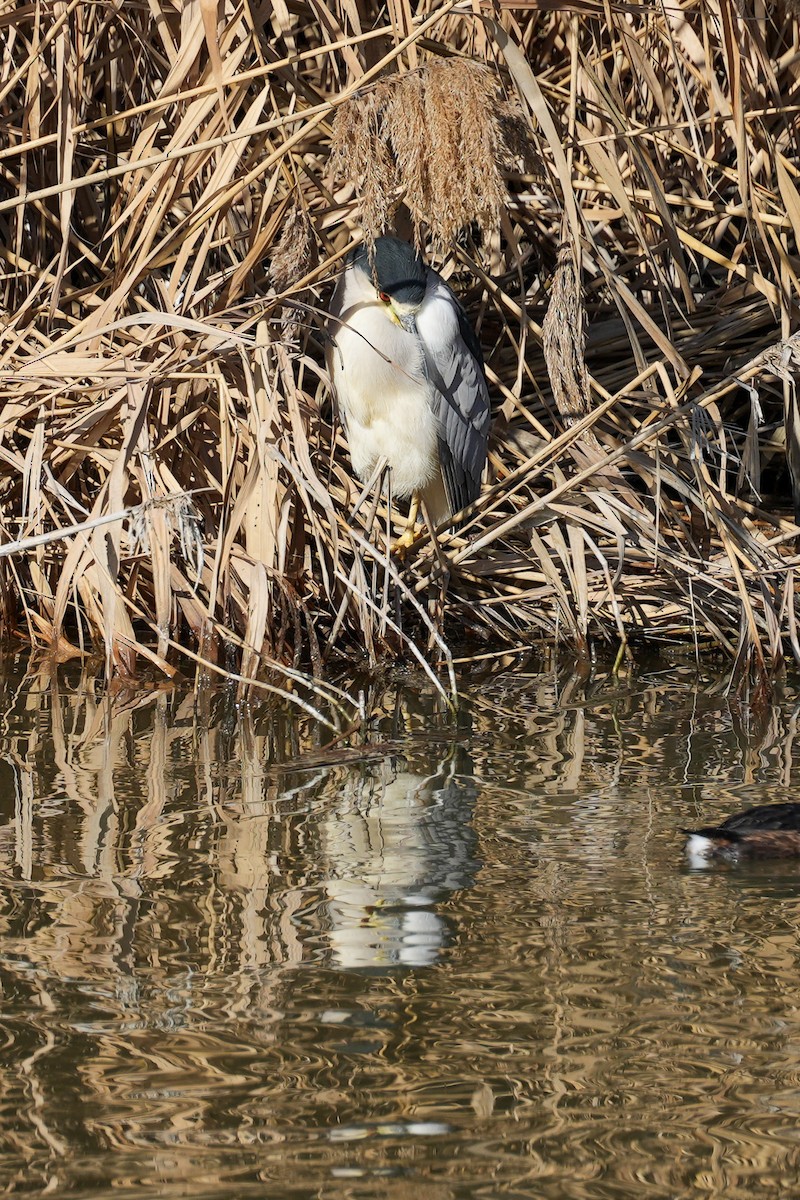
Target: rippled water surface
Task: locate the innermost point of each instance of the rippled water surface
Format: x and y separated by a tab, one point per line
464	959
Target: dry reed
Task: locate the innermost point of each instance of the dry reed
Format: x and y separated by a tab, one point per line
175	195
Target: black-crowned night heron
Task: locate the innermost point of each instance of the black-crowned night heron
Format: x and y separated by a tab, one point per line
407	371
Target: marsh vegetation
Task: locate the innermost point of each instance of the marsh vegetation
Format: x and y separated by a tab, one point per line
613	192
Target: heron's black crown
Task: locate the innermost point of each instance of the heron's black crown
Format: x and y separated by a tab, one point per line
397	269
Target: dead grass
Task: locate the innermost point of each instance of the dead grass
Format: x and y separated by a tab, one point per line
174	197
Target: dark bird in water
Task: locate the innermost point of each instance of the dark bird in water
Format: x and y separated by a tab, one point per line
769	831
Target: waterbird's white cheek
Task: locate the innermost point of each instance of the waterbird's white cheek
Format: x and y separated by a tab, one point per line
699	850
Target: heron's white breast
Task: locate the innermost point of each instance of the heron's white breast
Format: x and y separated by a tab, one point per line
378	373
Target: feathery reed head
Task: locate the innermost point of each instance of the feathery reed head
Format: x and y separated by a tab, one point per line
437	139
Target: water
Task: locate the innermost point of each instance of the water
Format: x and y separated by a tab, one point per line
466	959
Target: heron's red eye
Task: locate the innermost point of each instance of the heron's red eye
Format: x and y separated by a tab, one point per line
385	297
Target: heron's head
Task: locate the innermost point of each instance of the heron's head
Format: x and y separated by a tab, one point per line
398	277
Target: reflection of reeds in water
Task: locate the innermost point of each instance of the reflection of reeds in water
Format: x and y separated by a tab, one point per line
109	803
151	367
163	862
144	795
172	937
395	843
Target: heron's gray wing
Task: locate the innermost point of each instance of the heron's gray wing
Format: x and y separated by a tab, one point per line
454	366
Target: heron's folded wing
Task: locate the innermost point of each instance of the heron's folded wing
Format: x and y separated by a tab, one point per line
454	366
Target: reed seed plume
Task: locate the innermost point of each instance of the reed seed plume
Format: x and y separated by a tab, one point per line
438	139
295	250
361	155
564	341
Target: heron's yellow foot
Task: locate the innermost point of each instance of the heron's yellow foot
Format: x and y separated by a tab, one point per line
409	535
404	543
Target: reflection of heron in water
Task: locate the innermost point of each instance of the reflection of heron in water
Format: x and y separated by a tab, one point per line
395	843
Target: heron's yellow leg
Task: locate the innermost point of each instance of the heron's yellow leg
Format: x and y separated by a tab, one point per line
406	539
